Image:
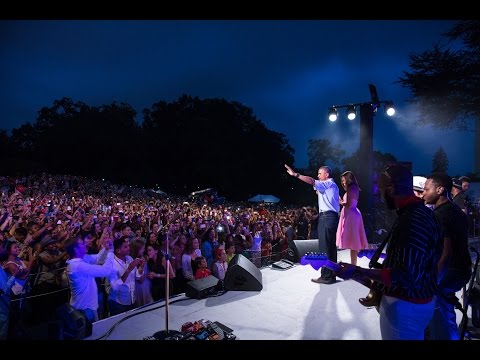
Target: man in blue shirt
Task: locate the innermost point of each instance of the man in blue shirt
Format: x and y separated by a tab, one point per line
328	208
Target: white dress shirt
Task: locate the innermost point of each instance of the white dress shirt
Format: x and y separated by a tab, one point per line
81	275
119	291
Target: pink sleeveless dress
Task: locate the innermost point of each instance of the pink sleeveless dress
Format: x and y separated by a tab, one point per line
350	231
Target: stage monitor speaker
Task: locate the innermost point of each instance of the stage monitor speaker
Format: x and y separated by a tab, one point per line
201	288
242	275
298	248
75	325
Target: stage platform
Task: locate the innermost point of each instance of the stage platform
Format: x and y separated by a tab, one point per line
290	307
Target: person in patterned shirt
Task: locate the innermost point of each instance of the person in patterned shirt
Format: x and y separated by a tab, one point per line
408	277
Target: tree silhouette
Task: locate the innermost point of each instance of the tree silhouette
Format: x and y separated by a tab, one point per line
323	152
183	146
215	143
74	138
445	83
380	159
440	161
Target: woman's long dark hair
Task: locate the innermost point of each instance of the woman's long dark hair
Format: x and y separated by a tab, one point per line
350	179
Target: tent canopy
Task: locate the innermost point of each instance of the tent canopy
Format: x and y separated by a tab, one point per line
264	198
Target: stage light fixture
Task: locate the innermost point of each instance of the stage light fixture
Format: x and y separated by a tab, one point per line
332	114
389	109
366	110
351	114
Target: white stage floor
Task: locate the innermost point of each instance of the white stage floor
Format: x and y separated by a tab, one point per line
290	307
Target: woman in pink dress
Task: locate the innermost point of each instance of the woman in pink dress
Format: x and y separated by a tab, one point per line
351	232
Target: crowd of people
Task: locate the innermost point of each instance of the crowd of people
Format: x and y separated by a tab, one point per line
57	234
107	248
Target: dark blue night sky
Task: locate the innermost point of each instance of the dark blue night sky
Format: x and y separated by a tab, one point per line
289	72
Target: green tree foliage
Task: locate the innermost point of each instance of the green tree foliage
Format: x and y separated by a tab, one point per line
440	161
215	143
4	143
445	82
74	138
183	146
323	152
380	160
